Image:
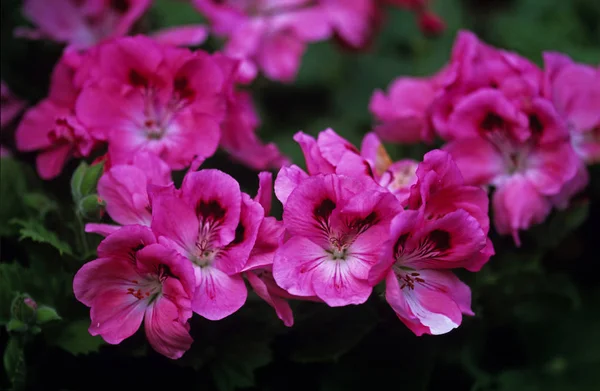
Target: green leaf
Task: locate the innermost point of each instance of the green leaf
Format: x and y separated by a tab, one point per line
16	325
14	363
90	179
237	362
46	314
34	230
315	340
13	278
77	180
76	339
40	204
12	188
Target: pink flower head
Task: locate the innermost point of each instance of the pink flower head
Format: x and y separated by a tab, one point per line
404	113
266	34
522	150
335	225
214	225
51	126
425	296
81	24
441	191
575	91
10	106
143	96
123	188
135	279
475	65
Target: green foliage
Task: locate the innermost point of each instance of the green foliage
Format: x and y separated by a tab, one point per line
76	339
14	363
34	230
313	332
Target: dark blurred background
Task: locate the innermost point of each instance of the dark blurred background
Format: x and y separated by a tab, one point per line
537	323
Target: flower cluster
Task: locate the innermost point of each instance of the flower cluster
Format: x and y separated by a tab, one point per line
135	94
84	23
271	35
352	221
508	124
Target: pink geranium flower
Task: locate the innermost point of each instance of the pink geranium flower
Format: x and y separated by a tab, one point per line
124	190
523	152
426	296
143	96
575	91
81	24
270	35
214	225
51	126
334	225
134	280
445	227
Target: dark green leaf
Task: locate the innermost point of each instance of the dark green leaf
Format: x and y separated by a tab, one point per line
90	179
46	314
14	363
77	180
76	339
40	204
34	230
12	188
235	367
328	333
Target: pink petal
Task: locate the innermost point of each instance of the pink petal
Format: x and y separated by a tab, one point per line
315	162
281	306
295	263
335	283
100	275
50	162
332	147
192	35
478	160
208	187
280	56
269	236
550	167
125	241
235	256
517	206
116	315
101	229
123	188
176	220
167	335
287	180
264	195
217	294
